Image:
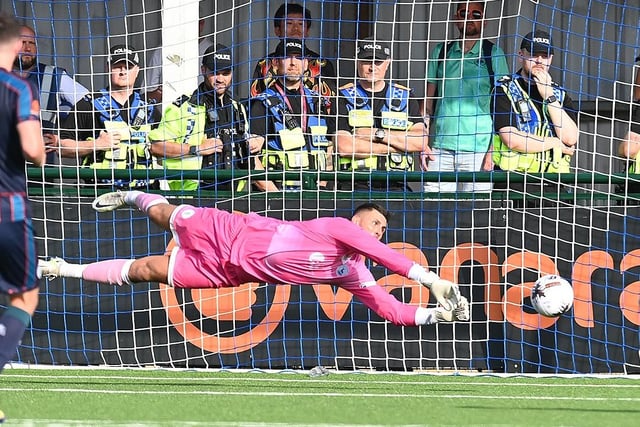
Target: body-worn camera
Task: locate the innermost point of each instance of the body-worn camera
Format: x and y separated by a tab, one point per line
234	154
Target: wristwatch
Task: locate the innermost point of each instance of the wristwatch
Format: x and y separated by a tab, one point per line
379	134
551	99
193	150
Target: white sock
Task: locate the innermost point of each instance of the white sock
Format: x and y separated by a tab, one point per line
419	274
130	197
72	270
426	316
124	273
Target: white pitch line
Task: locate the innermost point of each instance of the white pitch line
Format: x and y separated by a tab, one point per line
324	380
60	423
333	394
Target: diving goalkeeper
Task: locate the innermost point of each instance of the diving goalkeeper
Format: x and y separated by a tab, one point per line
215	248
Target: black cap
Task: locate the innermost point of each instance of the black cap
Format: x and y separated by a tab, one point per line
537	42
371	48
217	58
288	47
121	52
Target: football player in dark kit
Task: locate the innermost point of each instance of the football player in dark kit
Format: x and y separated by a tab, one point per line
20	140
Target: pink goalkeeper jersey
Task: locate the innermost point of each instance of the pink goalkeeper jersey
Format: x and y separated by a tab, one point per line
323	250
231	249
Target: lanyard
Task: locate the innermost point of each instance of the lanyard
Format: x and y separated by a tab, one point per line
303	104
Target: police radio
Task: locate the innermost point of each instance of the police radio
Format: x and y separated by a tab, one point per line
235	148
396	104
287	116
525	111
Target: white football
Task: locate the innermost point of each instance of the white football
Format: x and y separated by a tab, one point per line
551	296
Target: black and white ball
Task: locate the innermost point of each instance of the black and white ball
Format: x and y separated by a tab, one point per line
551	296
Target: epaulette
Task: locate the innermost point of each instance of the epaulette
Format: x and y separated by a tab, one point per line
504	79
181	100
346	86
399	86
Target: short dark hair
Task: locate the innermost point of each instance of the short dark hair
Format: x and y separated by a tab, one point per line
288	8
9	28
370	206
464	4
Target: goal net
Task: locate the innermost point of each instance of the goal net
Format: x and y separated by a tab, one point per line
495	245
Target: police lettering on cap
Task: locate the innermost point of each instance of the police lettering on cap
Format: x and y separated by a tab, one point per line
123	53
290	47
371	48
537	42
217	58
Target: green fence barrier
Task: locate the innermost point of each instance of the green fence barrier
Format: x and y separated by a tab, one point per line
310	178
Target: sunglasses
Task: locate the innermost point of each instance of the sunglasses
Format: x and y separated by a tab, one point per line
475	14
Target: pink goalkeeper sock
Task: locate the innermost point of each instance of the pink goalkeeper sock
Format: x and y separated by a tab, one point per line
144	200
113	272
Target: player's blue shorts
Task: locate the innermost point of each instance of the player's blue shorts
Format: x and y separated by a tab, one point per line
18	259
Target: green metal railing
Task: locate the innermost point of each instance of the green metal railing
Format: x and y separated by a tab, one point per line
309	181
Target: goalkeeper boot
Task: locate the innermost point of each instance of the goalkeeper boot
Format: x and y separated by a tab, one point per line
109	201
49	268
459	312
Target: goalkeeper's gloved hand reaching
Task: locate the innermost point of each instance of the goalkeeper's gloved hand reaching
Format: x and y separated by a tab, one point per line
446	292
461	312
448	295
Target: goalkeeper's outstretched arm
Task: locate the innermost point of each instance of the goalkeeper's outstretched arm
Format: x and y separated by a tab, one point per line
446	292
385	305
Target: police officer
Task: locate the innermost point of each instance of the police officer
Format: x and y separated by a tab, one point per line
379	124
296	121
533	115
108	129
293	21
534	118
209	130
58	91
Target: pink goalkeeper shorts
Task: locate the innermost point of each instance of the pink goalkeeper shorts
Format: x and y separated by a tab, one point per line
203	238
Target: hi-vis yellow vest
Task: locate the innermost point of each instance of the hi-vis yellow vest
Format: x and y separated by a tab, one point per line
634	164
183	124
533	122
132	152
289	148
394	116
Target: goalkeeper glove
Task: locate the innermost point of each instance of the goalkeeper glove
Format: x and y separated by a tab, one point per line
446	293
460	312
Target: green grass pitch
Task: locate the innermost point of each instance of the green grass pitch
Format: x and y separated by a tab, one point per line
154	397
